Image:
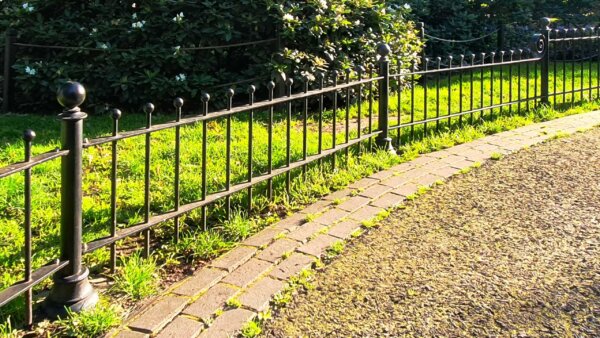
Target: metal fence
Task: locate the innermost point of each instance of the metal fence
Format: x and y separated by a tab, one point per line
443	93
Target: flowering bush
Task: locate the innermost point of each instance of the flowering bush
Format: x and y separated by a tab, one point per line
128	52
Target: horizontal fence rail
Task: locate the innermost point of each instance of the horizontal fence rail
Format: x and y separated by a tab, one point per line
395	103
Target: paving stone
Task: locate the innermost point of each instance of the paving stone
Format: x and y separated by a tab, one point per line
200	282
344	229
316	207
340	194
291	222
131	334
264	237
433	166
366	213
354	203
388	200
317	246
427	180
227	324
395	181
332	216
159	314
304	232
382	175
405	190
211	301
421	160
257	297
375	191
181	327
291	266
402	167
234	258
462	164
415	173
363	183
273	252
446	172
247	273
452	159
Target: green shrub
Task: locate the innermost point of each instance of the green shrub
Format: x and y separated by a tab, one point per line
142	48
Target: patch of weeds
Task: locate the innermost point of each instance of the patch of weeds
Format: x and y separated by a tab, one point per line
356	233
234	303
412	197
439	182
280	236
6	329
137	277
559	134
219	312
496	156
370	223
286	255
337	201
476	165
200	245
423	190
238	227
91	323
251	329
310	217
336	249
465	170
354	193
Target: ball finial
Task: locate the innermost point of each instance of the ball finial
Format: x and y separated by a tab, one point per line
251	89
545	22
148	108
271	85
178	102
384	50
230	92
205	97
289	81
71	95
28	135
116	114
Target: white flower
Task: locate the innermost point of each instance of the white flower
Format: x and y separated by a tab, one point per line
30	71
134	16
28	7
407	6
133	5
178	18
139	24
181	77
288	17
322	3
102	45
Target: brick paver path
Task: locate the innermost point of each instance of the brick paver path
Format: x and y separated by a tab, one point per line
258	269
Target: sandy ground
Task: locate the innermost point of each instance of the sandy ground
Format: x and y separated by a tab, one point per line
510	249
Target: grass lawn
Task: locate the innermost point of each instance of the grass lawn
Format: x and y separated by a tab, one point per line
201	245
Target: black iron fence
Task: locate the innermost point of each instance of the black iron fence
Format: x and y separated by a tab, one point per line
560	67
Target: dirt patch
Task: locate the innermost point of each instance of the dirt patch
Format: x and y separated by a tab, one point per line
510	249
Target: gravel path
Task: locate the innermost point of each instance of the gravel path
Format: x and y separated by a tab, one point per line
510	249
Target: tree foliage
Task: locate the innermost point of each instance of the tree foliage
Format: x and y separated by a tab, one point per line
132	51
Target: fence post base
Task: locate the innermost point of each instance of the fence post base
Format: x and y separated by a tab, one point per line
74	293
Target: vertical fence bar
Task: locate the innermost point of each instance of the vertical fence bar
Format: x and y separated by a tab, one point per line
230	93
574	30
116	115
271	88
413	69
450	58
178	103
555	67
383	139
251	91
371	107
582	64
9	60
510	81
591	61
149	109
502	53
306	82
425	98
471	90
321	78
438	79
205	100
28	137
399	101
527	81
71	289
347	126
545	76
492	80
360	70
288	148
519	95
564	66
334	74
460	90
481	86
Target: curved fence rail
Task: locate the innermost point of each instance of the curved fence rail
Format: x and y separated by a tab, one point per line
395	105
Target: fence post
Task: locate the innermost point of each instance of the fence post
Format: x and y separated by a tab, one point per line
383	139
9	61
545	76
71	287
